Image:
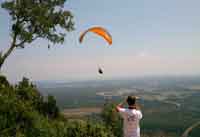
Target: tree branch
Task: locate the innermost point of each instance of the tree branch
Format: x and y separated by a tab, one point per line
24	41
5	55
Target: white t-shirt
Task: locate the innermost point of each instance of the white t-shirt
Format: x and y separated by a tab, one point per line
131	119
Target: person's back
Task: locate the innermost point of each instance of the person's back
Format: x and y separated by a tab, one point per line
131	117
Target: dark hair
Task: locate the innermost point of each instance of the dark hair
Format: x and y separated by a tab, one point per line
131	100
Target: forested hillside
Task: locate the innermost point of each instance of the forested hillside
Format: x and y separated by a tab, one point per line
25	113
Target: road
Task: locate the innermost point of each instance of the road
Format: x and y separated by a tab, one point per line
188	130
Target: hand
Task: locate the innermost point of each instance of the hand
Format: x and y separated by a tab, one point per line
123	102
120	105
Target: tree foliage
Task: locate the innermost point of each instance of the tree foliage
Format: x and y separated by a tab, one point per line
50	107
26	113
33	19
112	119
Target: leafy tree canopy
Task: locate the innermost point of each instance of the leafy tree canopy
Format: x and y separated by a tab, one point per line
25	113
33	19
38	19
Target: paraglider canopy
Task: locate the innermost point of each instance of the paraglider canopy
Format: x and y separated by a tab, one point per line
99	31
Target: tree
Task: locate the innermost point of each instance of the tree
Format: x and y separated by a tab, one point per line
112	119
82	128
34	19
3	82
20	116
51	107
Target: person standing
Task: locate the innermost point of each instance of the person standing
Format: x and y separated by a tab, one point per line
131	117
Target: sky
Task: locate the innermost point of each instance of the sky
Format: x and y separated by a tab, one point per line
150	37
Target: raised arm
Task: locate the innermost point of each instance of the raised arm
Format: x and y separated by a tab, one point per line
120	105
